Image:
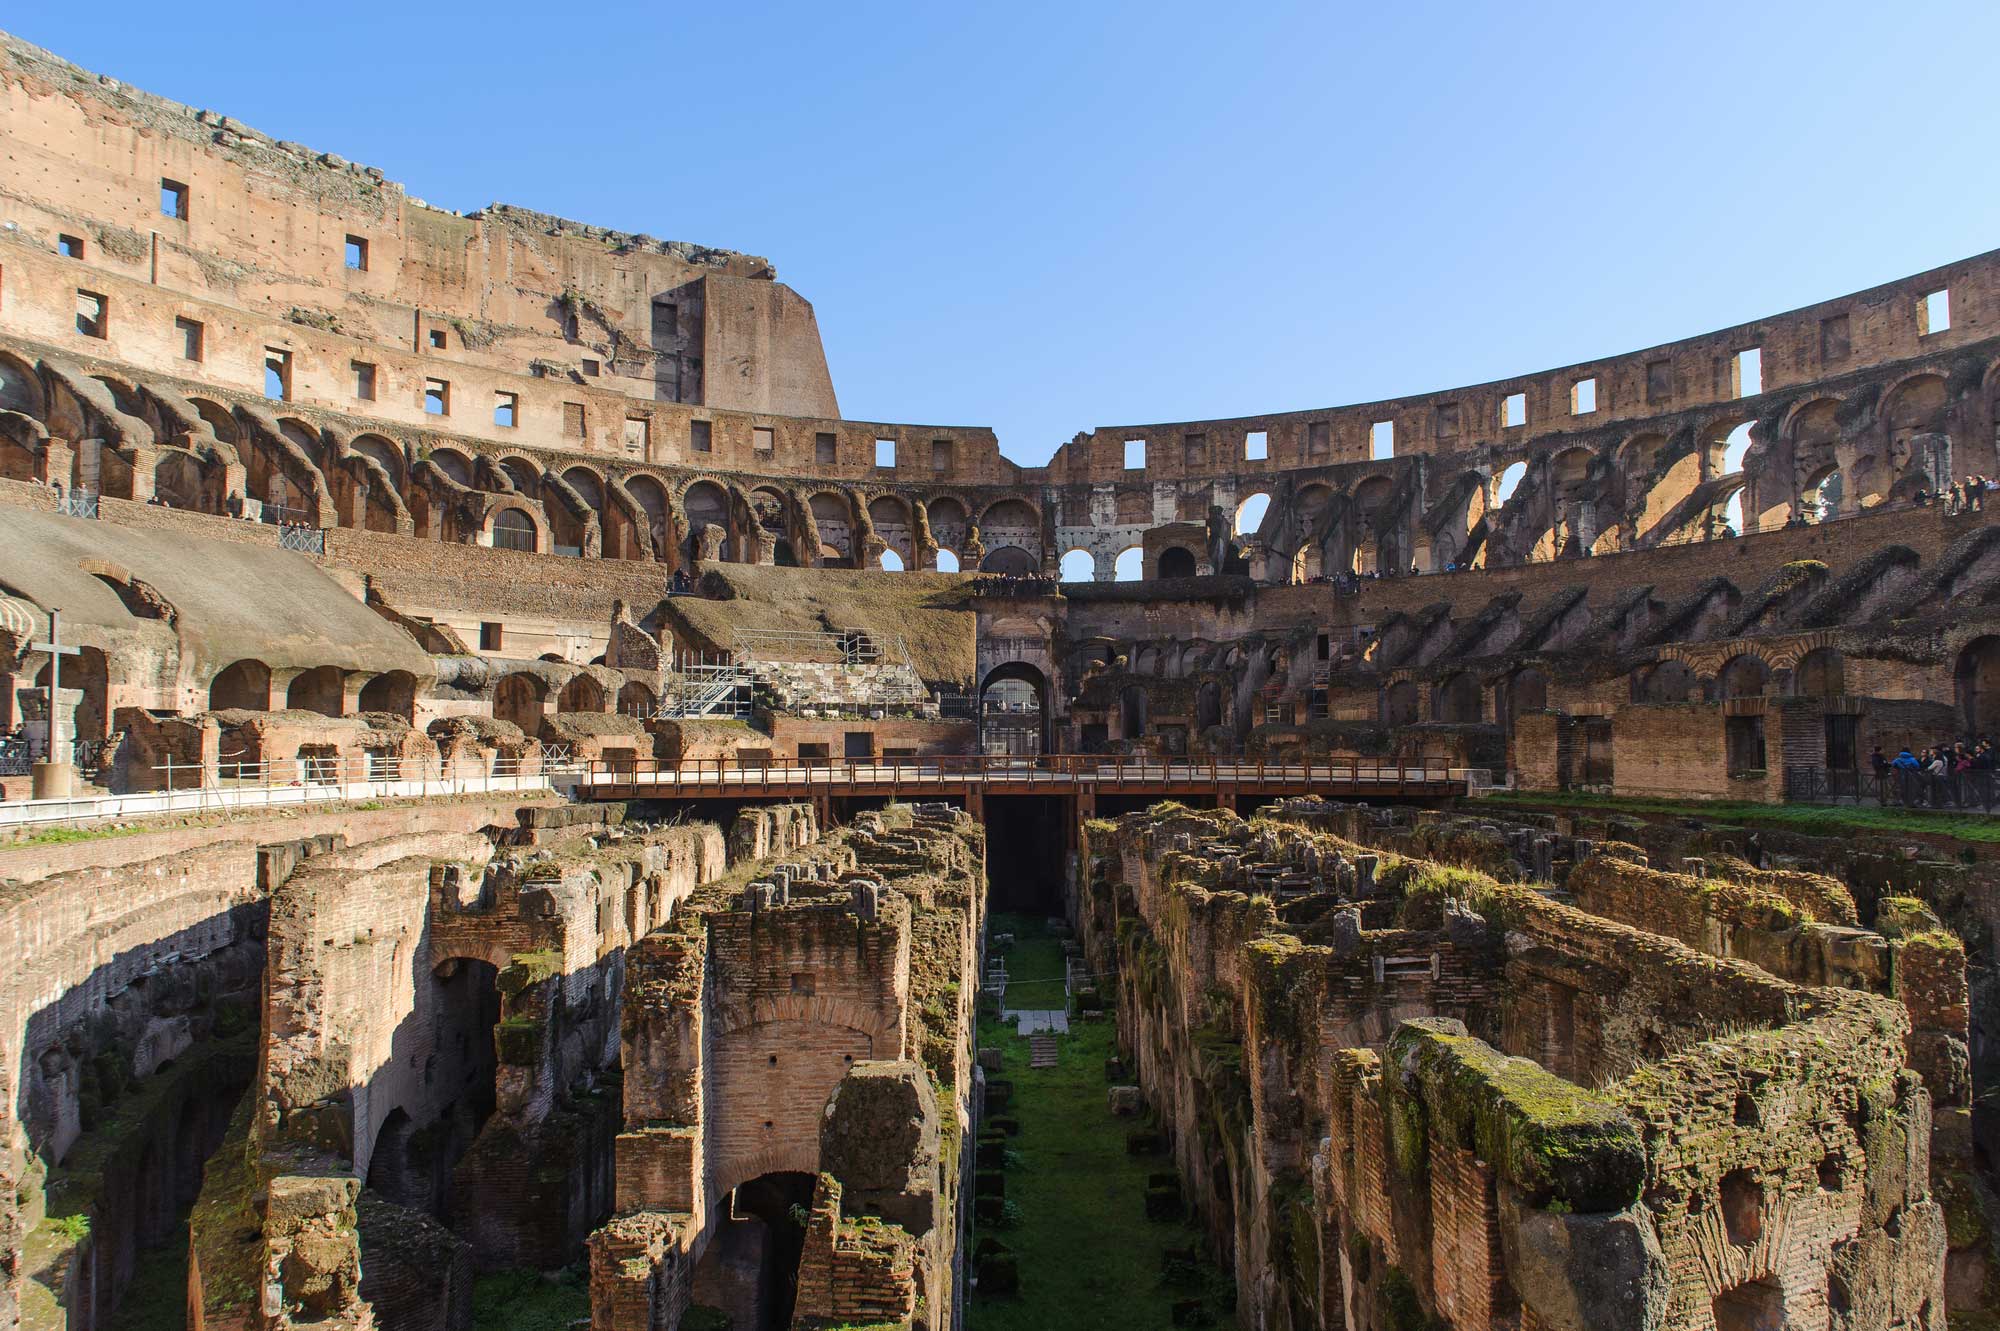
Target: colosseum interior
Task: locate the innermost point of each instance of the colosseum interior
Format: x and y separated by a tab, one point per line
515	812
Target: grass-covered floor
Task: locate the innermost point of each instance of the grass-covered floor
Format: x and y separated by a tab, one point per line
1088	1257
529	1301
1812	819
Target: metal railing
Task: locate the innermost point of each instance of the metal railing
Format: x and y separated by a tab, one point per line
78	504
1076	771
196	787
305	540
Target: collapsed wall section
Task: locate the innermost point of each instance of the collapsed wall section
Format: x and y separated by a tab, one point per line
811	1022
437	1087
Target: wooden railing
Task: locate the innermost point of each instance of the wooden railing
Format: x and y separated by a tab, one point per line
1099	771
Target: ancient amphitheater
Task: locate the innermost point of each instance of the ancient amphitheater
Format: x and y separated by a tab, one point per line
516	811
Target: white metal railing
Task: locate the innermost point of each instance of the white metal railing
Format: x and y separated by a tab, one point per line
308	779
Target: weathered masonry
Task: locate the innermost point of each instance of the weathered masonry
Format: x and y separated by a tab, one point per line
1406	1080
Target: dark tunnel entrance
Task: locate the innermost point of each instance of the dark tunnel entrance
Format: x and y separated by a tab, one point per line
751	1269
1027	839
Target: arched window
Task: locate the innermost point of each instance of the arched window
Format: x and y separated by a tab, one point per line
1176	562
1078	566
514	530
1131	565
947	562
891	562
1250	513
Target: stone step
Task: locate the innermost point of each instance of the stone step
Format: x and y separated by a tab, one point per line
1041	1051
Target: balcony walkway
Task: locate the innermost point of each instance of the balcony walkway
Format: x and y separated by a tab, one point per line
992	774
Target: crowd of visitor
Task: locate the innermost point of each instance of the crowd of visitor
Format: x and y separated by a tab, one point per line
1958	775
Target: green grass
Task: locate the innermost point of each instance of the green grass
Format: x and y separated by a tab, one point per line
529	1301
1088	1256
1819	819
156	1300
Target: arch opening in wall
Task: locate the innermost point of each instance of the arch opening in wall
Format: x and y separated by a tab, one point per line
1743	676
1132	712
1009	561
1176	562
651	497
1250	514
1078	566
514	529
1399	703
834	528
393	691
948	524
1510	481
241	686
635	699
707	507
1820	673
582	694
1667	681
1130	565
453	464
1013	522
519	698
316	690
1457	700
1524	691
890	517
761	1228
384	454
525	475
947	560
1013	701
1978	685
890	562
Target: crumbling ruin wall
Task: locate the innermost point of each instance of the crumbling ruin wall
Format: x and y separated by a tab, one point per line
795	1024
1624	1132
438	1087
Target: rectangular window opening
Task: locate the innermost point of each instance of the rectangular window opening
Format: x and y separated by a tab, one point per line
592	368
1513	410
1382	440
1447	421
437	397
1319	439
826	450
1256	446
357	253
1135	455
940	456
506	410
490	636
190	335
638	436
1583	397
70	247
1934	313
364	379
764	439
173	199
701	437
1659	380
885	452
277	374
437	339
91	308
1833	339
1746	372
575	426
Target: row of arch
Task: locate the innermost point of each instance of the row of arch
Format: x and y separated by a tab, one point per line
522	697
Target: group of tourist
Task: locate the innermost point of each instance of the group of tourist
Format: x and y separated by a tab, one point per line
1966	496
1959	774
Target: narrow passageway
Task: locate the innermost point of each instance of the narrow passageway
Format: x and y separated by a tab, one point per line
1075	1214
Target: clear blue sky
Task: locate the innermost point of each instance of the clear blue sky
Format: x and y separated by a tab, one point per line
1048	217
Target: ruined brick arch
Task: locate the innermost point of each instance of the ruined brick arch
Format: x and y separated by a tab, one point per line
242	685
1399	703
833	526
804	1010
21	387
520	698
1175	561
1457	699
949	519
394	691
707	503
581	694
653	498
1012	522
890	515
786	1158
1745	675
453	463
1820	673
386	454
320	689
221	421
1976	678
